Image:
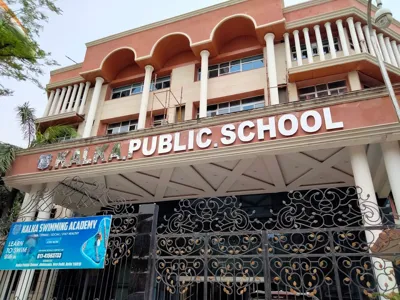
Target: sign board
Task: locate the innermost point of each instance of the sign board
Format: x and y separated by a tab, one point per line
76	243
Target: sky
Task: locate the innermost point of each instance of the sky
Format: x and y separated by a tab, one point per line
83	21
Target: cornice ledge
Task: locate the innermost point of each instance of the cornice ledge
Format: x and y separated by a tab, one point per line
357	136
304	5
67	68
224	119
164	22
57	117
69	81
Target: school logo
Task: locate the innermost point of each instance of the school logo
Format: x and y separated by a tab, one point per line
44	161
16	229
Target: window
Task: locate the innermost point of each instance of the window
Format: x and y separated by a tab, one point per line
159	120
239	65
314	49
180	114
235	106
323	90
121	127
137	88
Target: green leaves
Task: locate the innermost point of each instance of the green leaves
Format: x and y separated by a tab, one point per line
7	156
53	134
26	116
21	57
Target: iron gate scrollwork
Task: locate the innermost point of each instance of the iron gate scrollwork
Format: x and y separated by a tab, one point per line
319	244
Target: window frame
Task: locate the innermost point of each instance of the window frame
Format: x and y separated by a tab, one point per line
259	102
306	96
130	124
165	82
231	66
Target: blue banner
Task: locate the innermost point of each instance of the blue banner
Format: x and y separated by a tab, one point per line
76	243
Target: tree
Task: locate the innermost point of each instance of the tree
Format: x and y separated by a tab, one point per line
26	116
21	57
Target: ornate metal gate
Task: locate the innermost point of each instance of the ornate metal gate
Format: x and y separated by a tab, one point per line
320	244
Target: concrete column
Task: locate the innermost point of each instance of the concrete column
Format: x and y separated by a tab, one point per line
382	47
331	42
391	156
67	98
49	104
342	37
298	48
361	38
396	52
73	96
84	98
378	44
319	43
292	92
93	108
363	179
60	101
78	97
353	34
271	66
390	51
204	84
369	42
308	45
54	103
288	51
354	81
145	97
28	210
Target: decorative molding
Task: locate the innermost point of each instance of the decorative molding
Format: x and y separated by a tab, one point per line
57	117
222	119
337	15
164	22
342	60
66	69
304	5
65	82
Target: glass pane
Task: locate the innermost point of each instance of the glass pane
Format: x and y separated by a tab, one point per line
132	127
252	58
337	84
223	105
323	94
116	95
224	70
248	107
166	84
125	123
223	111
212	107
137	90
158	86
115	130
321	87
235	62
259	105
114	125
307	90
234	108
343	90
213	73
214	67
224	65
109	131
125	93
124	129
234	68
303	97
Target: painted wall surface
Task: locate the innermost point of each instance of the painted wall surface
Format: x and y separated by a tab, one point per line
361	114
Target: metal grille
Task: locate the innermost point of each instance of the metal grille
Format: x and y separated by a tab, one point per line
317	245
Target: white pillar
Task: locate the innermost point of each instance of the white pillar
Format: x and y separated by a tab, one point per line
378	44
390	51
319	43
353	34
342	37
288	51
298	48
27	213
78	97
308	45
55	101
60	101
396	52
49	103
271	65
73	96
67	97
204	83
331	42
93	108
369	42
361	37
382	45
84	98
145	96
363	179
391	156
